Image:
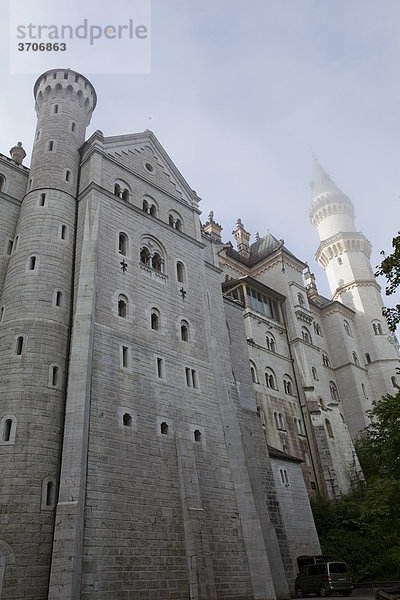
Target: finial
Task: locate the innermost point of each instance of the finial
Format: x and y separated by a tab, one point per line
256	236
239	223
211	216
17	153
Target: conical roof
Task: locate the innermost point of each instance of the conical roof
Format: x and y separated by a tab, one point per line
324	189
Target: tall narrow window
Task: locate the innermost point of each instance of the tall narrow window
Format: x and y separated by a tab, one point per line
32	263
155	319
284	477
63	232
329	428
42	199
314	373
125	195
179	272
194	379
197	435
156	262
2	182
1	314
367	358
355	359
55	109
184	331
188	376
122	306
164	428
19	346
117	190
394	381
145	256
50	493
50	146
58	298
7	430
160	368
125	356
364	390
54	376
123	244
67	175
9	247
16	242
73	126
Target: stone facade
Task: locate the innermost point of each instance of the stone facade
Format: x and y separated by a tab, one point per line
142	446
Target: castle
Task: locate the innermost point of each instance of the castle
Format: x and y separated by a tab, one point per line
167	402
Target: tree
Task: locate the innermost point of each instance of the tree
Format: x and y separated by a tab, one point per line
390	268
380	441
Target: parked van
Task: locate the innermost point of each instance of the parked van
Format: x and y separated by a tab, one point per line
323	579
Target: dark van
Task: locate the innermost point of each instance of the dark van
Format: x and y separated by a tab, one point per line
323	579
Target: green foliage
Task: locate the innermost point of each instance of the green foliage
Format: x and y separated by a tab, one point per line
390	268
378	445
363	529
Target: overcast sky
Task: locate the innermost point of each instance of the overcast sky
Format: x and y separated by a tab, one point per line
241	93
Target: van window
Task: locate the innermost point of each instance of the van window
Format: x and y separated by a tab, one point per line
338	568
316	569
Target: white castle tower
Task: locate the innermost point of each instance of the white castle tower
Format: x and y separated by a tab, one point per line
36	320
345	253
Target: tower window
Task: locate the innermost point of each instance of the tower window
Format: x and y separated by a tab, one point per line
7	430
63	232
197	435
270	342
58	298
288	387
284	477
270	380
42	200
325	360
32	263
1	314
355	359
364	391
50	146
50	493
122	306
55	109
67	175
377	327
367	358
9	246
54	376
19	346
2	182
145	257
314	373
394	381
73	126
164	428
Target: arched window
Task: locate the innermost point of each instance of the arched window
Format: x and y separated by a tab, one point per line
127	420
125	195
123	244
8	427
180	272
270	342
145	206
153	210
19	345
253	371
306	335
329	428
171	220
155	319
32	263
334	391
157	262
300	299
322	404
355	359
178	225
117	190
314	373
317	328
2	182
164	428
270	379
377	327
288	385
48	493
184	331
279	421
145	256
325	360
175	221
122	306
367	358
347	328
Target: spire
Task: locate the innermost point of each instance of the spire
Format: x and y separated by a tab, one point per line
322	183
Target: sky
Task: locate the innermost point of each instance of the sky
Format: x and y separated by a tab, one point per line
240	94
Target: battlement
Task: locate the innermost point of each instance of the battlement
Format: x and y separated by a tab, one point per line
65	83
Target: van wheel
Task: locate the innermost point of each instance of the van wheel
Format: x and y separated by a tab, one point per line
299	592
322	591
